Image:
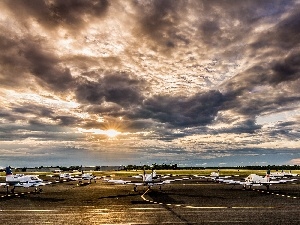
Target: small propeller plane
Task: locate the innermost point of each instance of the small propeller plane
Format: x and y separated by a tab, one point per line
21	180
86	176
278	174
214	176
148	180
257	180
66	177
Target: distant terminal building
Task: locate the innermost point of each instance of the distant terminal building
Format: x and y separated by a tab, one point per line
102	168
111	168
38	169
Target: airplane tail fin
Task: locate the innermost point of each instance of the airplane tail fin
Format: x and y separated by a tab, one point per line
153	173
144	174
268	175
8	171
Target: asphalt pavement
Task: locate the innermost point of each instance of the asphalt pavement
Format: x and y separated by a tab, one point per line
184	202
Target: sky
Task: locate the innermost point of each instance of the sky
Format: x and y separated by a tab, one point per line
196	83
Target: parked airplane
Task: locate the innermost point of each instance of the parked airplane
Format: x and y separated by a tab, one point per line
21	180
282	174
214	176
256	180
147	180
66	177
86	176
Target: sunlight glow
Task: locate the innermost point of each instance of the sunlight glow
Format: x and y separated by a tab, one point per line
110	132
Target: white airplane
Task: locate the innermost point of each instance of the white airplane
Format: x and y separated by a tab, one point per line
66	177
256	180
214	176
21	180
86	176
282	174
148	180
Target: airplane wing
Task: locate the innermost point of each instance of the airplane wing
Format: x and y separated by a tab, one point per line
275	182
117	181
253	183
139	183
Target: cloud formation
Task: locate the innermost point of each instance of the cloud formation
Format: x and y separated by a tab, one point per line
180	80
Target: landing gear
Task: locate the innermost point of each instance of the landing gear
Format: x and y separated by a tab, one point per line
38	190
7	190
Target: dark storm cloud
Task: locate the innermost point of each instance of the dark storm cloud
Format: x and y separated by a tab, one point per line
140	125
276	54
118	88
219	23
20	57
67	120
44	65
222	23
36	130
288	130
7	115
248	126
284	36
12	63
39	111
158	20
51	14
30	123
197	110
287	69
112	110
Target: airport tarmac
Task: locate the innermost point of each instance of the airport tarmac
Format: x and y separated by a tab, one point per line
184	202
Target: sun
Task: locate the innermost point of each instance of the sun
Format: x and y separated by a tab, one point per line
111	133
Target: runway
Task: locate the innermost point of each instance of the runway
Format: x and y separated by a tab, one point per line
185	202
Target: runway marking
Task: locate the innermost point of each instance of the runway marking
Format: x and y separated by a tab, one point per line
214	207
282	195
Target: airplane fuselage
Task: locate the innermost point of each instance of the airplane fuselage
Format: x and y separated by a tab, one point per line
23	180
